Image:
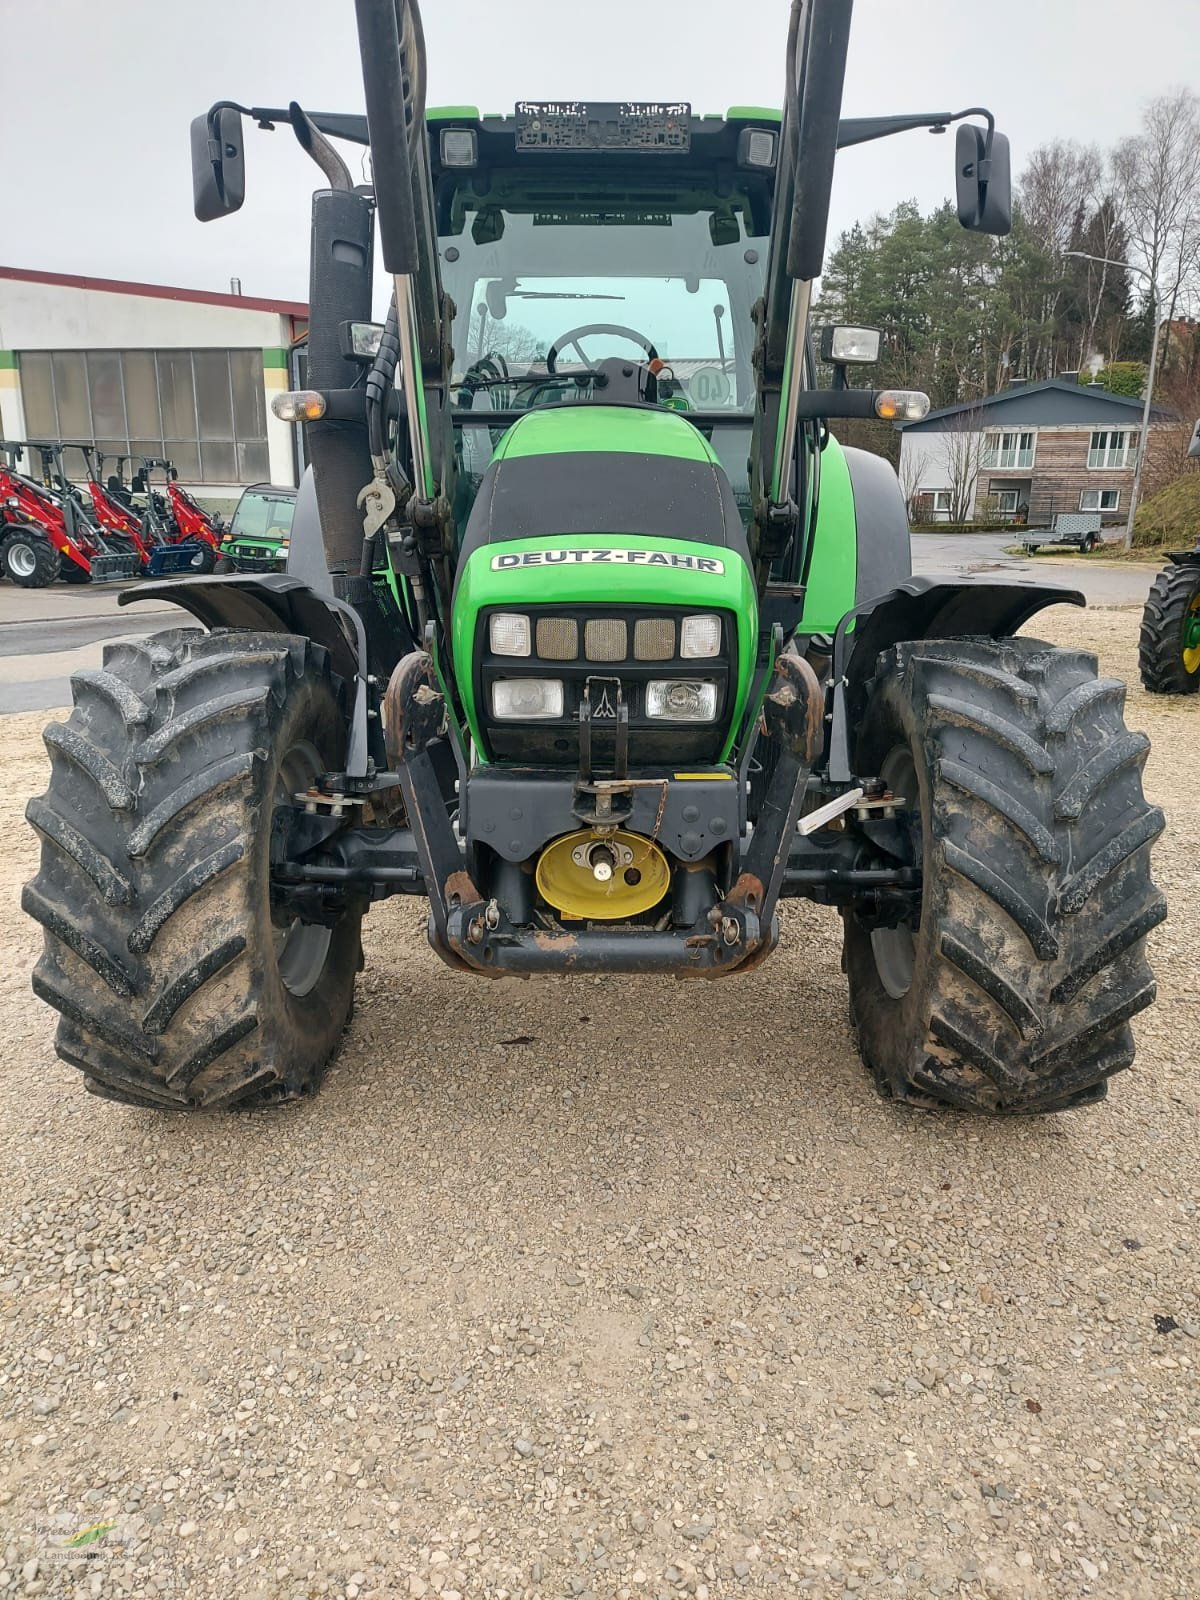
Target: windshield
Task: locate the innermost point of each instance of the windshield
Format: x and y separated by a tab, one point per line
261	516
542	295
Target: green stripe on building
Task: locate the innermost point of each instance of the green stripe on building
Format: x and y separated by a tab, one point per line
277	357
8	361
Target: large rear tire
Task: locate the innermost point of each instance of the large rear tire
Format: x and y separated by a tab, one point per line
1169	642
176	986
1014	989
28	559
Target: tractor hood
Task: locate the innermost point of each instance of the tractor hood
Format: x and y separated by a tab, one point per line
605	512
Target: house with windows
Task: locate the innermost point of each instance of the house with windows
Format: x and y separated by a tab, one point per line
1025	455
144	369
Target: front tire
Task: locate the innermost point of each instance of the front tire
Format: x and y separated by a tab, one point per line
1169	642
176	986
1012	991
29	559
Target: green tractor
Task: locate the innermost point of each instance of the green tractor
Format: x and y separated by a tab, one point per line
592	635
1169	641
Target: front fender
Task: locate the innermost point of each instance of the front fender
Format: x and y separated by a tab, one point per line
922	608
273	602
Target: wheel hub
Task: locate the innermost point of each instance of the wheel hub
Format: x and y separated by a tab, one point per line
22	560
1191	635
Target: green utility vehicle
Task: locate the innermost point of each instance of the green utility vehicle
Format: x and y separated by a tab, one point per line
593	635
260	530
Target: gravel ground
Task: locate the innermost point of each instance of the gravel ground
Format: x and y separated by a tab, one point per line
606	1288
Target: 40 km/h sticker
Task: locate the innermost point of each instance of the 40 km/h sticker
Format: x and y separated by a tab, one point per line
512	560
709	387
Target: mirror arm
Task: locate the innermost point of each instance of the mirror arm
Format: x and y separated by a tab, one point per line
860	130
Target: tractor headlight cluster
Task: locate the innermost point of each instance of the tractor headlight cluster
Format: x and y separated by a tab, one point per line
527	699
512	633
681	699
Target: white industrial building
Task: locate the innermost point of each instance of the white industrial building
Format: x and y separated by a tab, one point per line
143	369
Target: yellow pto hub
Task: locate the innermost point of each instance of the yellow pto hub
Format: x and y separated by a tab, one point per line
602	876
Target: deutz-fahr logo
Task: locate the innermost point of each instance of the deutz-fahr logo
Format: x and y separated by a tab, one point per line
514	559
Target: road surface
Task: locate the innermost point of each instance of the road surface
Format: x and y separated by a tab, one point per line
47	634
1105	583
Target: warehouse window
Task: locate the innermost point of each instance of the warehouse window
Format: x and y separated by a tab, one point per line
202	409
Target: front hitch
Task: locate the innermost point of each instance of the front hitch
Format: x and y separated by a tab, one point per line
469	929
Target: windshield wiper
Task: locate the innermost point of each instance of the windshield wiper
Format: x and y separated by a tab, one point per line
512	377
554	294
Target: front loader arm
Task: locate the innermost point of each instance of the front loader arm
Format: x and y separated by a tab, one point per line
401	205
818	40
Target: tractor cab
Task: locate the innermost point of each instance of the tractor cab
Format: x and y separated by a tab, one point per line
602	254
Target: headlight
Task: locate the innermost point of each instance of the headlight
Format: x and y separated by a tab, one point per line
681	699
527	699
700	636
508	633
850	344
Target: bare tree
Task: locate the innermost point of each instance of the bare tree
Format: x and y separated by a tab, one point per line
1059	180
964	447
914	466
1157	182
1058	185
1167	456
1101	285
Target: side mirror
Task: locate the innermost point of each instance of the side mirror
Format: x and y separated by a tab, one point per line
1194	445
983	182
723	228
218	163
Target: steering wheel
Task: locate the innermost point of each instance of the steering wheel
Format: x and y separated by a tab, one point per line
573	336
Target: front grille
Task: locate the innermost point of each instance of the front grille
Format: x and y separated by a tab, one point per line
557	638
606	639
654	638
255	561
615	646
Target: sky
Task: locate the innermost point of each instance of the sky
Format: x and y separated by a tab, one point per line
98	97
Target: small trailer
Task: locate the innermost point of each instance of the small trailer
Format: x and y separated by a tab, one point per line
1078	528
